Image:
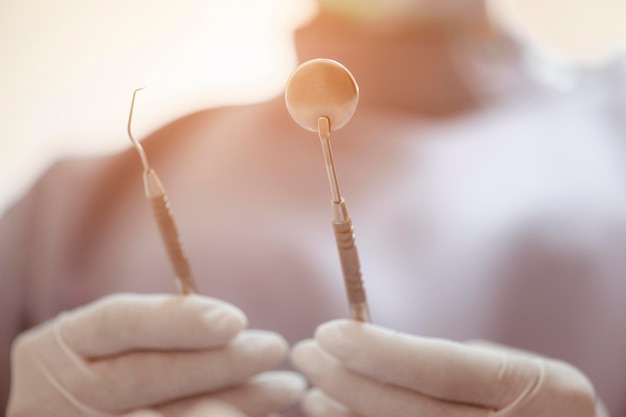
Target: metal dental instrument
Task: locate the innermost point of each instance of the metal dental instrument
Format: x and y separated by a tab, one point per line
163	215
321	96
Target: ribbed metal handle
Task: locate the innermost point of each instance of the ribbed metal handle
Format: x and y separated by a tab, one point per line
173	244
351	267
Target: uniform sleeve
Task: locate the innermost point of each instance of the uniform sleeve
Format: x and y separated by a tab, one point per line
15	230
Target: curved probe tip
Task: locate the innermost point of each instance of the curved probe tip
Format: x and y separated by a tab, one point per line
142	154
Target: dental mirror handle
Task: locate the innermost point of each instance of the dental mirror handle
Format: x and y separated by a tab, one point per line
344	233
350	264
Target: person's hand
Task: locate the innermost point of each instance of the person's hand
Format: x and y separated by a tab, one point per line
149	355
365	370
205	408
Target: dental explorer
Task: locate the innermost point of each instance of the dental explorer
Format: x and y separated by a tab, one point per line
155	193
321	96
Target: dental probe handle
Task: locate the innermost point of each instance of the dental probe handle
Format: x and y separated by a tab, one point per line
350	264
169	233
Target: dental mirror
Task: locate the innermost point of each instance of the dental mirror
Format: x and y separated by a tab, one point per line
321	96
321	88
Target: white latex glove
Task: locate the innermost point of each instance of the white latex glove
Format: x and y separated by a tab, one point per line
365	370
206	408
148	355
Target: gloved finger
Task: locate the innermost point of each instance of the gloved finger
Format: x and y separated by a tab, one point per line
318	404
601	410
126	322
266	394
438	368
262	395
202	408
140	379
367	397
211	408
496	347
557	379
142	413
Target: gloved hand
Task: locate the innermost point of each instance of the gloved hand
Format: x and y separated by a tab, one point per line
148	355
206	408
366	370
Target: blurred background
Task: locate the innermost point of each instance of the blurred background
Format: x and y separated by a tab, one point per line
68	67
